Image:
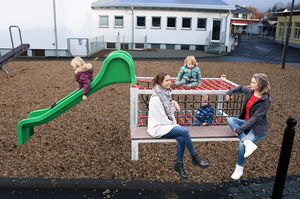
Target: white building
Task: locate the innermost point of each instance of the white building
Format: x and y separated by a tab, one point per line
86	26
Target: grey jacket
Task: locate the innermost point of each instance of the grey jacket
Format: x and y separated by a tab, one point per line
258	112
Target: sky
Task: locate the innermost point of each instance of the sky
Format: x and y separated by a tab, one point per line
261	5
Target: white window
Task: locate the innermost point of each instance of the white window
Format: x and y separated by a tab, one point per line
103	21
186	23
171	22
155	22
281	29
141	22
235	15
119	21
201	24
297	31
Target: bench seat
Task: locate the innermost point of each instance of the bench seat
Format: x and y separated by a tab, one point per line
197	133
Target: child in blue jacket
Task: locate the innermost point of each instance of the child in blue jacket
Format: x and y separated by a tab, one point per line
205	114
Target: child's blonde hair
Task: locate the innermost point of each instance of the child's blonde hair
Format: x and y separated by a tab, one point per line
190	59
77	62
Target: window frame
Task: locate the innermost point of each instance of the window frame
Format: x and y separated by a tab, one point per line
116	26
156	27
204	29
185	28
281	29
297	31
237	15
140	27
170	27
103	26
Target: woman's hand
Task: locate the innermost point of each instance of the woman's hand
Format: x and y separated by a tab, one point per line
228	97
177	107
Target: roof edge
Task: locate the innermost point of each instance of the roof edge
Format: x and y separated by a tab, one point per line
96	5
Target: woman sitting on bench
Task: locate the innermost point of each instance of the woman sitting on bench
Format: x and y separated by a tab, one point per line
251	126
162	122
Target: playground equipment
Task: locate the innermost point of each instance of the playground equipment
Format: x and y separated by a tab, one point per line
189	101
118	67
14	52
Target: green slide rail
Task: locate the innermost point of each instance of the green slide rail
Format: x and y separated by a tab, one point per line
118	67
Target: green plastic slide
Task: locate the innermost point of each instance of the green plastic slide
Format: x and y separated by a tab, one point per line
118	67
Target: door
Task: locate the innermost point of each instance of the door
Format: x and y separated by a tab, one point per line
216	30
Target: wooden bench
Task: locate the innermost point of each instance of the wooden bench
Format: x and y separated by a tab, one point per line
197	133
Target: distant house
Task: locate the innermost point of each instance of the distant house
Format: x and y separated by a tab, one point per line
282	25
241	19
168	24
255	28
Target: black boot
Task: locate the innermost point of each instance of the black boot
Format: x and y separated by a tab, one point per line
197	161
179	168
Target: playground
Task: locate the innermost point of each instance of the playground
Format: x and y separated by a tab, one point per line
92	139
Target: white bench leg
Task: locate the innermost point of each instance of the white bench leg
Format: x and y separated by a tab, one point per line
134	150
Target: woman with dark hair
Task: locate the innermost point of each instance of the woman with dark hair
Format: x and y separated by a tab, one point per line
251	126
162	122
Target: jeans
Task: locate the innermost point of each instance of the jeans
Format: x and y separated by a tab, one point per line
184	82
183	139
235	123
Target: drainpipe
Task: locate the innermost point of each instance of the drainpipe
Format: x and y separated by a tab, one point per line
226	24
132	32
55	29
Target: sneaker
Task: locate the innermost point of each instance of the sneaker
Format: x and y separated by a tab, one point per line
238	172
250	147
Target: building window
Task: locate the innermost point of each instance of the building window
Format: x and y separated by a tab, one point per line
281	29
185	47
199	47
124	46
111	45
119	21
170	46
186	23
38	52
103	21
155	46
139	45
297	31
244	16
171	22
201	23
141	22
235	15
155	22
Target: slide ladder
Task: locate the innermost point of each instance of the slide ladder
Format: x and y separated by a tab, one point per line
14	52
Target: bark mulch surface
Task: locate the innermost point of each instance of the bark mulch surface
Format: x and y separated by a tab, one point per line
92	140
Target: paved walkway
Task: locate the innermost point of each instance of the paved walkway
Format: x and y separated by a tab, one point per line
92	188
264	51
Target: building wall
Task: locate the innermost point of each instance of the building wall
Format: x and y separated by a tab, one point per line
281	39
156	36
